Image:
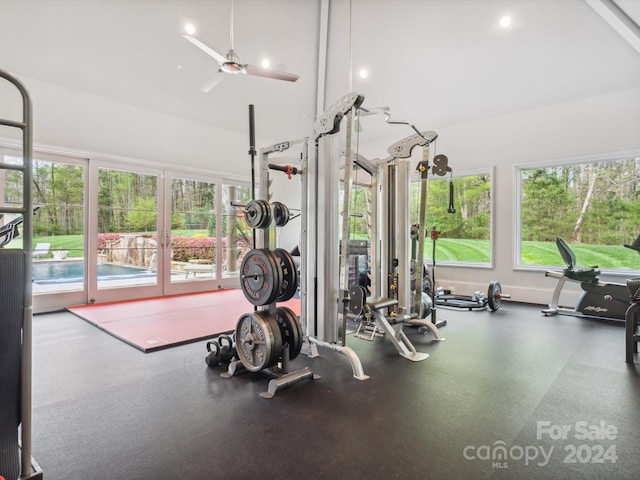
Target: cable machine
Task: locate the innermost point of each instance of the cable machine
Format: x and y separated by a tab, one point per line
271	336
403	257
16	312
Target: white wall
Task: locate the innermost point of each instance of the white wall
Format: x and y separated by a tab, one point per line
596	125
76	120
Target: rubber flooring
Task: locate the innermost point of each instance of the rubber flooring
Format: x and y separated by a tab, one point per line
509	395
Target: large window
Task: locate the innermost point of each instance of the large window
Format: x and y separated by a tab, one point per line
592	205
465	235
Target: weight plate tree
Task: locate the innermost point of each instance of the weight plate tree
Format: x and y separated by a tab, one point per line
261	276
289	275
290	330
259	342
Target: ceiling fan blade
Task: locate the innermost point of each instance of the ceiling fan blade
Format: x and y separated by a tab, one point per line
206	49
207	87
269	73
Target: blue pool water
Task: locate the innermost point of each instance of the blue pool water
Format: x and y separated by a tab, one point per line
45	273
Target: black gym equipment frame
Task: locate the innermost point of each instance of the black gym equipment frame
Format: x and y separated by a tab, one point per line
16	322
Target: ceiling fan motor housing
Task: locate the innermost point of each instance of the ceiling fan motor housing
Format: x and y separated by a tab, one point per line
232	65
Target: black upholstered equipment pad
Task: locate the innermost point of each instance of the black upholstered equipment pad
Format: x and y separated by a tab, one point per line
12	285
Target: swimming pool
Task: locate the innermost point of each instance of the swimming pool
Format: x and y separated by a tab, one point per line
46	273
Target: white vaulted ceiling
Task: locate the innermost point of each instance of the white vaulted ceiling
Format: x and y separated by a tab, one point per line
433	62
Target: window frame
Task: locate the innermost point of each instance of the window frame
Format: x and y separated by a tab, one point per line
490	171
555	163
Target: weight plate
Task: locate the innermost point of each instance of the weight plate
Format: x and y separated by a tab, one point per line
494	295
290	330
259	340
280	213
427	304
289	275
260	276
257	214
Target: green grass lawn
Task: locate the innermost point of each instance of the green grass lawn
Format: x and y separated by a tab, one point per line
447	249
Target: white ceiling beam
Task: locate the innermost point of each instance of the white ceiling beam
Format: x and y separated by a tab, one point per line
618	20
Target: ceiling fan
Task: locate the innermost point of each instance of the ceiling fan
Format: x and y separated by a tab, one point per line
230	63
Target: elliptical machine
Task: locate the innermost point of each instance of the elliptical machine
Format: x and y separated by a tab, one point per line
604	300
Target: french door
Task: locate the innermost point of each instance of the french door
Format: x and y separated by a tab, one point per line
174	233
204	234
119	232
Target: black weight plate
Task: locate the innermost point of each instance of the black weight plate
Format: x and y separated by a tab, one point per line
290	329
257	214
281	213
289	275
494	295
278	275
266	214
260	276
259	341
253	214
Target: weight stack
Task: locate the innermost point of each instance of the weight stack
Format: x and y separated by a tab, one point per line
12	285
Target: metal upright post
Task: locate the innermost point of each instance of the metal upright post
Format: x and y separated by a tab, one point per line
252	154
346	233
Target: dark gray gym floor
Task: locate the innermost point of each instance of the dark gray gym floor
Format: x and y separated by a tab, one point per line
104	410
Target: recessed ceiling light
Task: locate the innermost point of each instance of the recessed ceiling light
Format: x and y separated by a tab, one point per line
363	73
190	28
505	21
266	63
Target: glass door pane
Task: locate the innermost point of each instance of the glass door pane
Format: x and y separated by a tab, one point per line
127	240
193	231
58	227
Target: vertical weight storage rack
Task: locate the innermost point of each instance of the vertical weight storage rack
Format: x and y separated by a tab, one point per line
16	313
